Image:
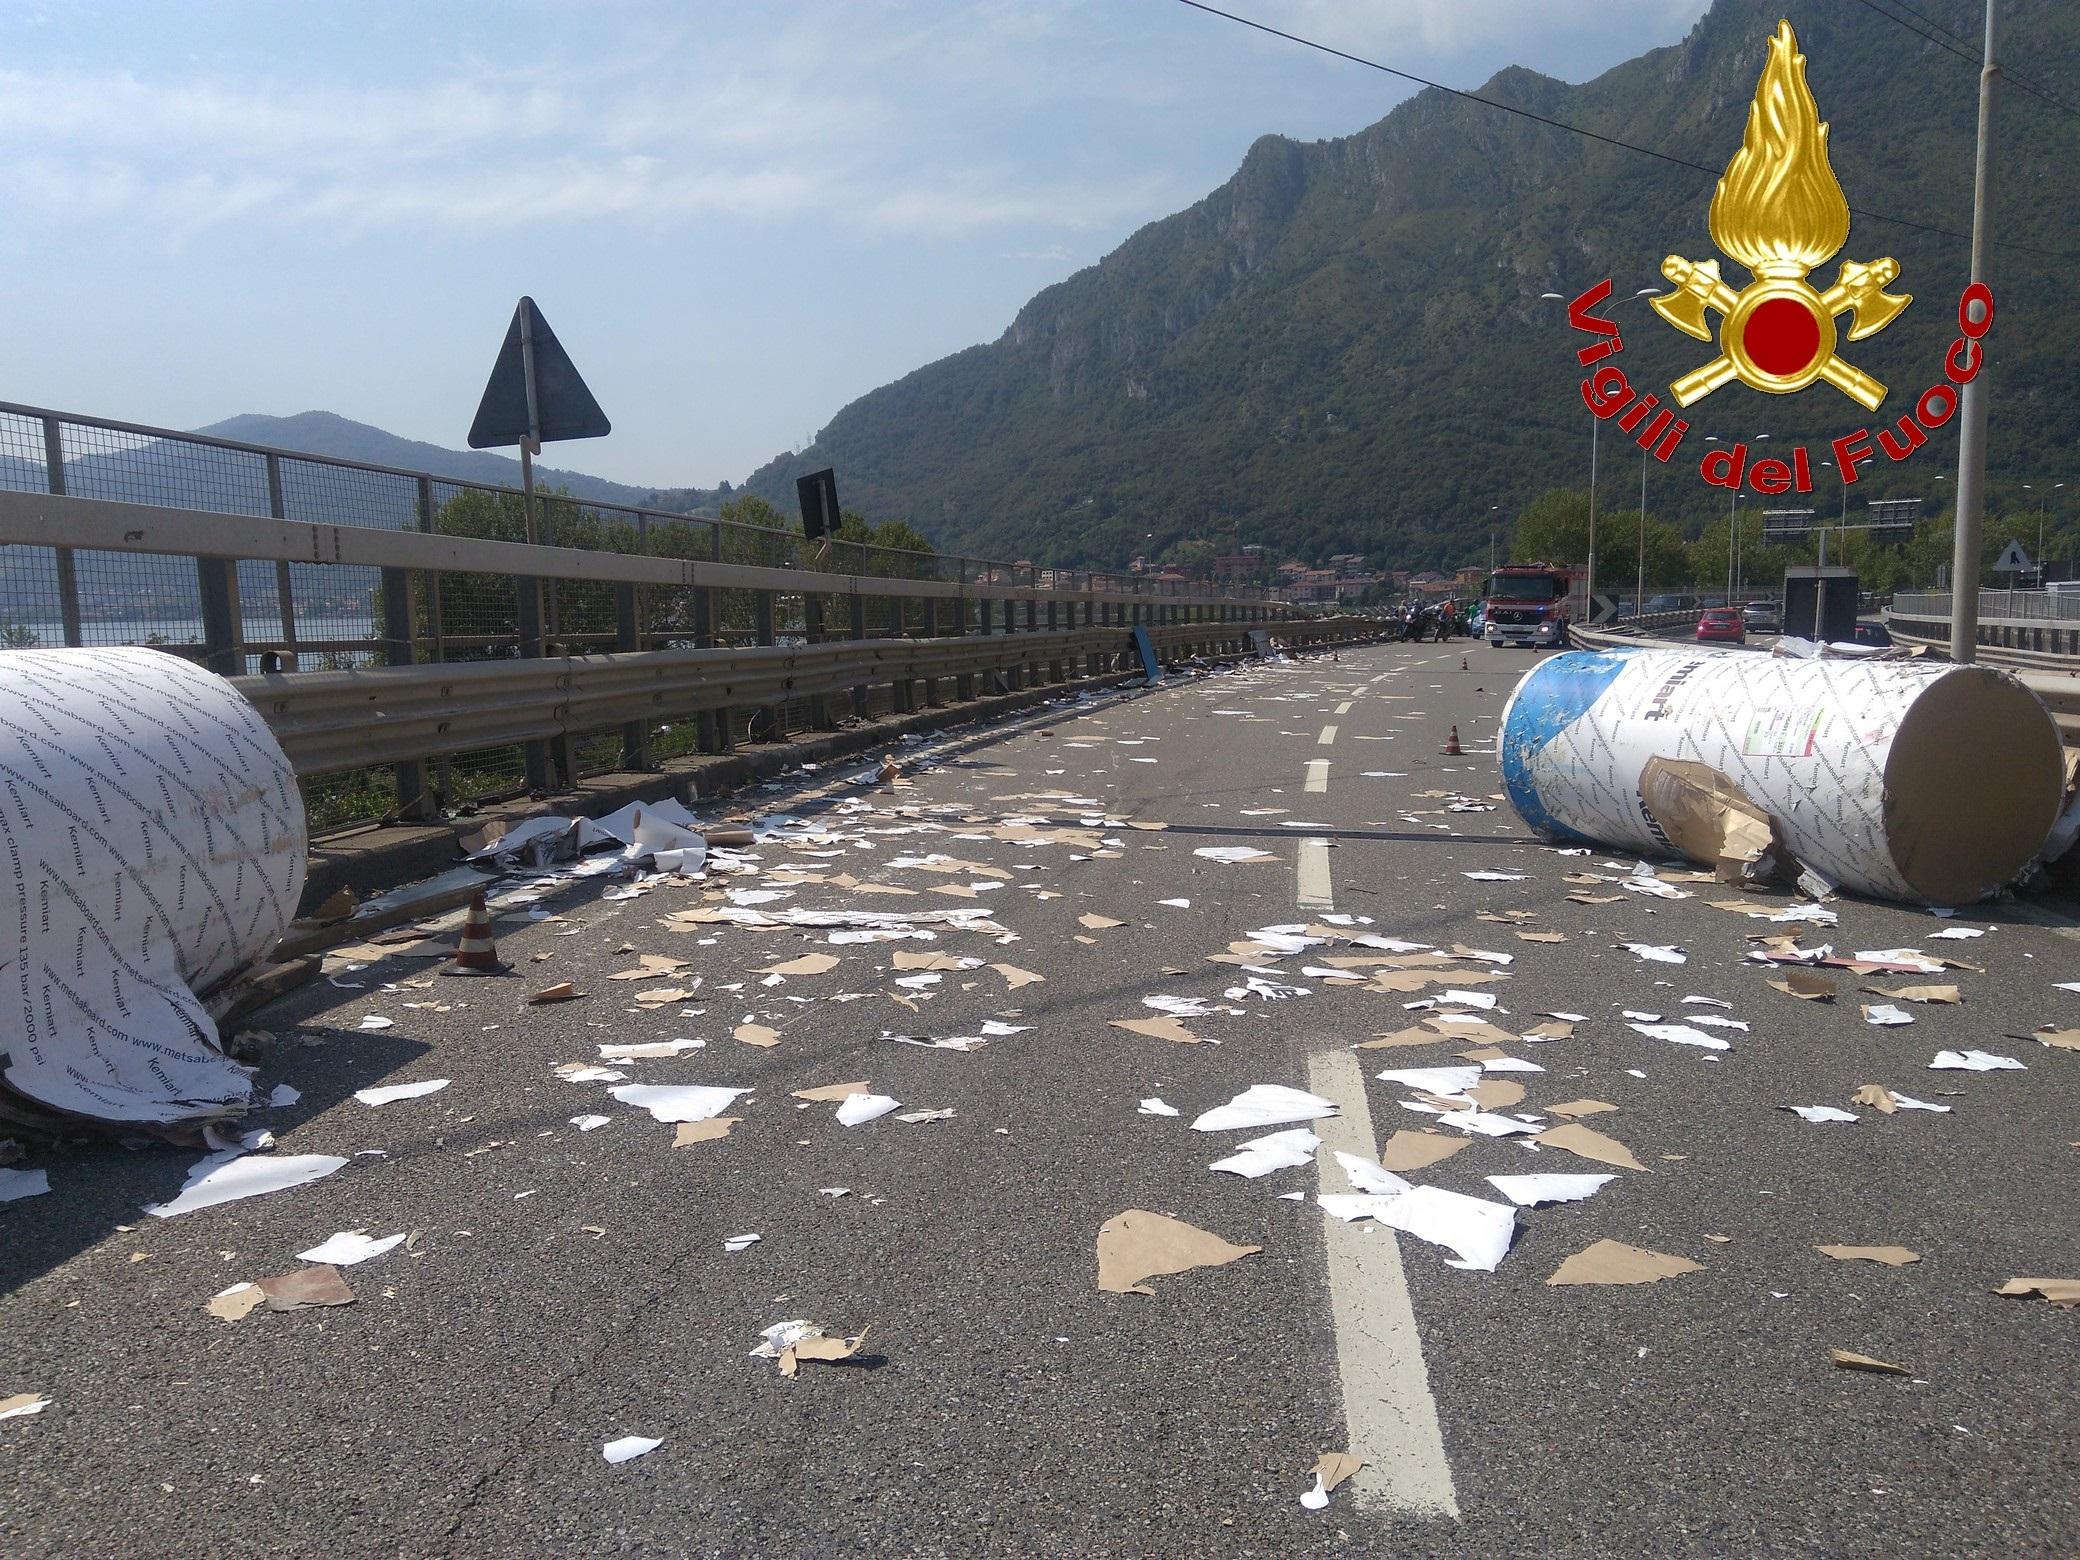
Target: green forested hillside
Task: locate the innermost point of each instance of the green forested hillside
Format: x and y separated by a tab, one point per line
1344	348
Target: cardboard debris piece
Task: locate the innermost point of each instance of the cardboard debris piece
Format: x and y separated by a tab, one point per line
2057	1039
1877	1097
1945	995
2061	1292
1806	986
564	991
1330	1469
1707	818
790	1343
1589	1144
807	964
1098	923
1614	1262
1846	1360
688	1133
757	1034
1014	977
1574	1109
653	966
1402	1037
834	1091
311	1286
1161	1029
235	1303
1136	1245
1887	1256
1418	1150
661	996
23	1404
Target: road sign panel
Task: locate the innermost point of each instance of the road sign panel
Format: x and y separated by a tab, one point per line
1602	608
535	390
818	495
2013	560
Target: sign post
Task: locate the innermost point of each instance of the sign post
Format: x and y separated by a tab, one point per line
535	394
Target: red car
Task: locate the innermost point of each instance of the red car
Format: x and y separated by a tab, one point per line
1721	625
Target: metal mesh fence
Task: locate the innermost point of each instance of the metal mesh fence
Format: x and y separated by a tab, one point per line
333	617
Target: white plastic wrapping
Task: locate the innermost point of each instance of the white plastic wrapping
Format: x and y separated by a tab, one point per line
1901	779
154	842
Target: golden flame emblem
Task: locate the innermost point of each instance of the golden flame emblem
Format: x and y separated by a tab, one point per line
1779	211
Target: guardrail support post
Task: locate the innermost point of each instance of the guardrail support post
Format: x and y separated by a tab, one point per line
68	578
964	682
813	630
628	635
1015	674
860	706
1054	625
284	586
412	799
528	593
928	611
762	622
223	646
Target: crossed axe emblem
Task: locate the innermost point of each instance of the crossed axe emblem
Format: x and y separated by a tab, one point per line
1778	333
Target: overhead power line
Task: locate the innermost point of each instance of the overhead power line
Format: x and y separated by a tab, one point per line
1587	134
1967	53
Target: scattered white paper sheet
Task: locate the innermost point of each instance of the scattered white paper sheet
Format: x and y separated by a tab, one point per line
628	1448
1682	1034
1233	854
1153	1106
857	1108
740	1242
1975	1061
649	1049
1365	1176
227	1177
1885	1014
1654	953
1176	904
1905	1102
1276	1151
23	1404
17	1184
679	1101
1530	1191
1958	933
347	1248
1477	1230
400	1091
284	1095
590	1123
1486	1123
1434	1080
1821	1113
1494	877
1265	1105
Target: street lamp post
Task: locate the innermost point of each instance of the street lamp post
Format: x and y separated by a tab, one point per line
1733	527
1595	423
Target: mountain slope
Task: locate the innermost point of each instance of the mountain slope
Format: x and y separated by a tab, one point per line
327	433
1344	347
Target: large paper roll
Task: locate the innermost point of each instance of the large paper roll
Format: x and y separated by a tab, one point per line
155	843
1902	779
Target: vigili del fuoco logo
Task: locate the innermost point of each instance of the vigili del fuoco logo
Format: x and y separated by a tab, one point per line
1778	212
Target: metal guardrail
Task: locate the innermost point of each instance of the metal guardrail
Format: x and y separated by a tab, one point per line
331	721
601	654
2012	606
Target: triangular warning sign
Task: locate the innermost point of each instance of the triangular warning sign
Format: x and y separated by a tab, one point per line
2013	561
563	409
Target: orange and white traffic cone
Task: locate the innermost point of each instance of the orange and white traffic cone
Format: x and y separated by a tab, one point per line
475	953
1451	744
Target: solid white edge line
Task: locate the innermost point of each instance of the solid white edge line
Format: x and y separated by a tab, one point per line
1390	1418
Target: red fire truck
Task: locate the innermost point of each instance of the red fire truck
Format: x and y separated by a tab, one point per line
1527	604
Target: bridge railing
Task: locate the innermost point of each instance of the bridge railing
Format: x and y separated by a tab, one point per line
463	662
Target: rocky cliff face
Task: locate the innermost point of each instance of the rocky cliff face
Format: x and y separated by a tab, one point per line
1344	348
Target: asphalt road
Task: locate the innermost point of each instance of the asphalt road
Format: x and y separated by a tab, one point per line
564	1288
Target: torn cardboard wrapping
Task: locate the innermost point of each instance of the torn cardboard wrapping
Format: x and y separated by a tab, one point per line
158	840
1708	819
1911	781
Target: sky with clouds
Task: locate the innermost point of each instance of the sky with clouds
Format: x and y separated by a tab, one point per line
738	216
